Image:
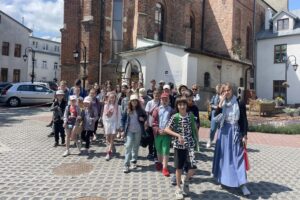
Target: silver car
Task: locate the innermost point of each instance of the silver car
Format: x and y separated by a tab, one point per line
17	94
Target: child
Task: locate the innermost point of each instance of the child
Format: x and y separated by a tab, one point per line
110	122
150	106
58	108
134	128
72	113
161	115
89	119
182	127
124	108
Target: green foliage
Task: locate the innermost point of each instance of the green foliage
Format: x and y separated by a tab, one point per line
205	123
290	129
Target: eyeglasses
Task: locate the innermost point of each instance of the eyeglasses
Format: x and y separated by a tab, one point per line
194	89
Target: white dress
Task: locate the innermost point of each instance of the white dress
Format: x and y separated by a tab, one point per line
110	123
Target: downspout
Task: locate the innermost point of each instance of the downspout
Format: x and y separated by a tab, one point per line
253	49
202	26
101	38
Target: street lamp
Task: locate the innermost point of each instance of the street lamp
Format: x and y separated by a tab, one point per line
76	55
295	66
29	49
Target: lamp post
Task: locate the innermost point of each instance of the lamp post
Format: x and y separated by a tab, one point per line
29	49
76	55
295	66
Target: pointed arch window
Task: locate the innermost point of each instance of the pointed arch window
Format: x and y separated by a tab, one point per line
192	27
206	79
159	22
249	43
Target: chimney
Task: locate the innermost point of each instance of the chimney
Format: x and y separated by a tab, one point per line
268	17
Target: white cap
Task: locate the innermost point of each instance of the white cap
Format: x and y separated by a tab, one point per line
142	92
60	92
134	97
166	86
73	97
87	100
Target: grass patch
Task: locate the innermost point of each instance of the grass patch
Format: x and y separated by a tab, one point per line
290	129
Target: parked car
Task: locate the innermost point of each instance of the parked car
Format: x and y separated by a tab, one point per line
3	84
22	93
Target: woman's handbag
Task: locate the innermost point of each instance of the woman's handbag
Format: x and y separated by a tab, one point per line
247	165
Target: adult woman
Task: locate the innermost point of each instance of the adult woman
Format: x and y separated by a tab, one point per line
228	164
214	102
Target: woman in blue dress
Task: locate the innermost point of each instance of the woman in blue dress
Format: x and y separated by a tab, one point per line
228	164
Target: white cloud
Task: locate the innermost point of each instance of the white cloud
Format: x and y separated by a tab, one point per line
44	17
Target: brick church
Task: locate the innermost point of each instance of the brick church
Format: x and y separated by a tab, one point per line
218	29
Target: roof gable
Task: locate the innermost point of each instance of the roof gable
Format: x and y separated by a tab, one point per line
286	12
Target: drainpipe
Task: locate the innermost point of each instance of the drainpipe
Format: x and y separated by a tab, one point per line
101	38
202	26
253	49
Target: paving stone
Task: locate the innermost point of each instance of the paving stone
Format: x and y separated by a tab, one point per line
27	172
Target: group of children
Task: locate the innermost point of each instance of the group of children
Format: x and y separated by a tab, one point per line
134	114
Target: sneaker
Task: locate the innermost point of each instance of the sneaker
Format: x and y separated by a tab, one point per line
208	144
173	180
166	172
94	137
185	187
107	157
245	190
126	169
67	152
178	194
51	134
158	166
49	125
55	144
79	146
133	166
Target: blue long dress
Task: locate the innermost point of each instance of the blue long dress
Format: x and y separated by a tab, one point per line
228	164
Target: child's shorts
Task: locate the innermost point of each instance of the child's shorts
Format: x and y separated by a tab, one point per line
182	157
162	144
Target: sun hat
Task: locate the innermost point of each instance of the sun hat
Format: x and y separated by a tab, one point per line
73	97
60	92
134	97
166	86
181	86
161	81
87	100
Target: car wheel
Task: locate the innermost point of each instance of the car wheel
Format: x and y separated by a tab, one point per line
13	102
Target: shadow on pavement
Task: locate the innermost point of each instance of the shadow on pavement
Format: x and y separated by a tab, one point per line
212	194
10	116
264	190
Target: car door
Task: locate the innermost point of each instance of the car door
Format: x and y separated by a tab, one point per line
26	93
43	94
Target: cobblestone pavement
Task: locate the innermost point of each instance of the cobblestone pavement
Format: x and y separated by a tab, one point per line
30	168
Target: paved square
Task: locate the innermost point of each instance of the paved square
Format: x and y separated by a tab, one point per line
31	168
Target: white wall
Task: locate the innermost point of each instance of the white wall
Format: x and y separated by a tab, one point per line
267	71
14	33
50	56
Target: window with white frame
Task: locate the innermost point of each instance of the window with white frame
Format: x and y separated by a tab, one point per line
282	24
44	64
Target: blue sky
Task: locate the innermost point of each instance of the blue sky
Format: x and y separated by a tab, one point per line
294	4
44	17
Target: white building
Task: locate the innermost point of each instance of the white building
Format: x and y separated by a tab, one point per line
47	59
14	38
278	49
176	64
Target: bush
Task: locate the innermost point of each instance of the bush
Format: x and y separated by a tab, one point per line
205	123
290	129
